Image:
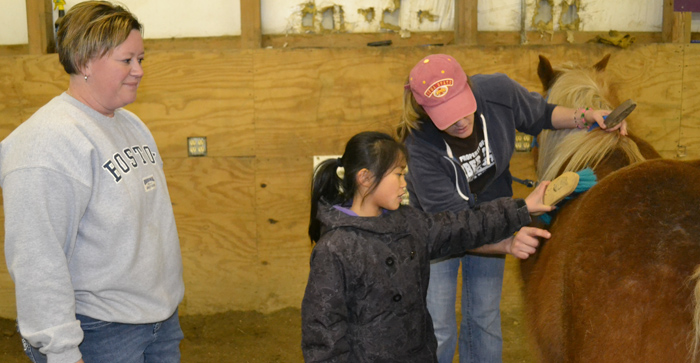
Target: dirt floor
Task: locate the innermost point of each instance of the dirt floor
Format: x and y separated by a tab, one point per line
248	337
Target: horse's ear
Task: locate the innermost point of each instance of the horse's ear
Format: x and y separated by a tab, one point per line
545	72
600	66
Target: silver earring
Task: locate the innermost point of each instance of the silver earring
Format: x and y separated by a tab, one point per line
86	78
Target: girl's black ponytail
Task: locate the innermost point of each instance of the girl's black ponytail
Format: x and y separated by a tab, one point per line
326	185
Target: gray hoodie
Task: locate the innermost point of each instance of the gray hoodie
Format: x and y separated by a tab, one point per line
89	226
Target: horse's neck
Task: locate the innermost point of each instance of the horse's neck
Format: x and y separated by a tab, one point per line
618	159
645	148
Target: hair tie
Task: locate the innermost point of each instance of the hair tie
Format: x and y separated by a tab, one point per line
407	86
339	162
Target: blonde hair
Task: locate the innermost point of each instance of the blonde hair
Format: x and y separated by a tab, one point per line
573	149
411	116
90	30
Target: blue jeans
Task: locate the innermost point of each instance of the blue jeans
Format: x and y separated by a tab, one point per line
480	339
124	343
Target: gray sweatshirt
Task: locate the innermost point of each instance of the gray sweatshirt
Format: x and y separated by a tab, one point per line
89	226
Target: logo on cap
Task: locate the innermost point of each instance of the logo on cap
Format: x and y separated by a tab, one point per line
439	88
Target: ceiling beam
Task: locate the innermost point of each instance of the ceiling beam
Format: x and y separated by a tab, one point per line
465	22
251	25
676	25
40	26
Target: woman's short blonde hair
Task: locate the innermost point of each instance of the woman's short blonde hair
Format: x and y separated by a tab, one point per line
90	30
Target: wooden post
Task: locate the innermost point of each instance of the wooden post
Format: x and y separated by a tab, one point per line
465	22
39	26
251	26
676	25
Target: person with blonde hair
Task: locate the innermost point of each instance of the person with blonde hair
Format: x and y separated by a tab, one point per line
460	136
90	236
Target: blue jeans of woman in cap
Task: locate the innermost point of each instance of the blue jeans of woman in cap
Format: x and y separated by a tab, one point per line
124	343
480	339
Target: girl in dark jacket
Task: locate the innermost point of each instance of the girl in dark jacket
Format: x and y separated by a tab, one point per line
365	298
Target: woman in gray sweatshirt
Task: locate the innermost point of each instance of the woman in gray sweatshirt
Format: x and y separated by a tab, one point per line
90	236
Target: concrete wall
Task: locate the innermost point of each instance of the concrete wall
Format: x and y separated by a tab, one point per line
242	211
183	18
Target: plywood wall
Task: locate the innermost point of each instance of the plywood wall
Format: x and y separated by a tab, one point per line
242	211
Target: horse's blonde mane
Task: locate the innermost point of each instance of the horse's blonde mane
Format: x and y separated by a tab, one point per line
574	149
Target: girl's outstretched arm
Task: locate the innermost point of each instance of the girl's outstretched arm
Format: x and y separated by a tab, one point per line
450	233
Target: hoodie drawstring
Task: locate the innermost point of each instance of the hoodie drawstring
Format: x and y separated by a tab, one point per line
486	140
451	159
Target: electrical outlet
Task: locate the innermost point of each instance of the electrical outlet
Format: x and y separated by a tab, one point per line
523	142
197	146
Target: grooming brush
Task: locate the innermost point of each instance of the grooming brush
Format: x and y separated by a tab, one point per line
566	184
619	113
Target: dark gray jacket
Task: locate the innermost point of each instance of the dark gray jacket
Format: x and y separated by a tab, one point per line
436	181
365	298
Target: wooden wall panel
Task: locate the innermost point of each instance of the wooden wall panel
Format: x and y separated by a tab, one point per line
8	306
214	204
11	103
27	83
690	111
653	77
283	202
198	94
510	60
40	79
242	211
329	93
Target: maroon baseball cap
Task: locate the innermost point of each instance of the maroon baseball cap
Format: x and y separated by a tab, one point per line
439	84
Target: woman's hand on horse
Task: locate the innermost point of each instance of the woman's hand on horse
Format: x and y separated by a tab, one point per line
526	241
622	126
535	201
597	116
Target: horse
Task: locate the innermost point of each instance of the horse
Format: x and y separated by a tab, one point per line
619	280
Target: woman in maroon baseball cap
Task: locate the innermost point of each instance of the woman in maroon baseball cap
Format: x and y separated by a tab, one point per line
460	136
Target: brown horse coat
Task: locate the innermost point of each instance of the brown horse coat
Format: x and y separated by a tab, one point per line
613	284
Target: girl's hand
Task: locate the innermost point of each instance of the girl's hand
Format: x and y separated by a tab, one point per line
525	242
535	201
